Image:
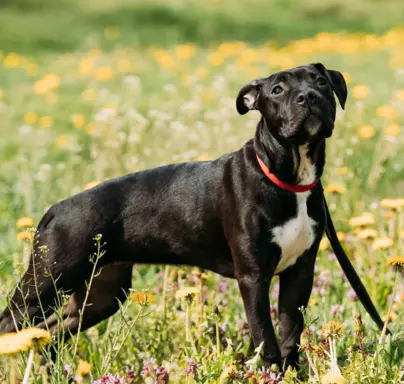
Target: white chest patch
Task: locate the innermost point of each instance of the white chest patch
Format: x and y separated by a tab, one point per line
297	235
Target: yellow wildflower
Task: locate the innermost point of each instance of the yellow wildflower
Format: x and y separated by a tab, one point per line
24	235
91	184
334	188
386	112
84	368
366	132
90	128
367	233
12	60
86	65
400	95
396	261
45	122
332	329
185	51
25	222
89	94
11	343
347	77
333	378
31	69
324	244
382	243
392	203
360	92
30	118
186	291
361	221
62	141
204	157
1	93
104	73
40	336
142	298
78	120
341	236
342	171
393	129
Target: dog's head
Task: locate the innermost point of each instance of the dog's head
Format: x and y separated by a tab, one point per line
298	104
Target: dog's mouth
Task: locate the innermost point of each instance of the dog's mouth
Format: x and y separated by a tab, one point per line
315	126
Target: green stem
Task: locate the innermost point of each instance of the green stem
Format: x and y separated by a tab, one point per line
29	365
165	284
217	339
187	324
390	308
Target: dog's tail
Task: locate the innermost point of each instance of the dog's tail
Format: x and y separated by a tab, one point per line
350	272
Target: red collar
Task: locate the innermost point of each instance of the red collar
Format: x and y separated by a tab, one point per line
281	184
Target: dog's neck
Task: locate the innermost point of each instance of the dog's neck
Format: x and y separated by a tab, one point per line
296	165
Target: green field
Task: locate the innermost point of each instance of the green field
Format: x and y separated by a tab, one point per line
95	90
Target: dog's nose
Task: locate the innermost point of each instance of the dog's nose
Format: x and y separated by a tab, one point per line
306	97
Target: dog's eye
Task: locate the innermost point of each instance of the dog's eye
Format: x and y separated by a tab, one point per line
321	81
277	90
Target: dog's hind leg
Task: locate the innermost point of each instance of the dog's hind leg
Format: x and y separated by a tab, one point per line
57	265
92	303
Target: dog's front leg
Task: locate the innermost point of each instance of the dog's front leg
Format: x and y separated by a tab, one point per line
254	288
296	284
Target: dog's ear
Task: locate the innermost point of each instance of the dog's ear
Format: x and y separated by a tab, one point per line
248	96
337	81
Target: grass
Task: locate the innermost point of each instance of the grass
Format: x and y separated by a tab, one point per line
73	116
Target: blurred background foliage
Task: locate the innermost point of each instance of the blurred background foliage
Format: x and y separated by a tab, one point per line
65	25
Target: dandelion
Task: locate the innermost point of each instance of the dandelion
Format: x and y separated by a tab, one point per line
387	112
30	118
86	66
104	73
185	292
62	141
367	233
25	222
334	188
366	132
89	94
360	92
393	129
185	51
333	378
24	235
142	298
393	204
400	95
12	60
45	122
84	368
347	77
11	343
342	171
1	93
332	329
78	120
396	261
90	128
361	221
382	243
324	244
91	184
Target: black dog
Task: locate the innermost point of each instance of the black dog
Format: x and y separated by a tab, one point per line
249	215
